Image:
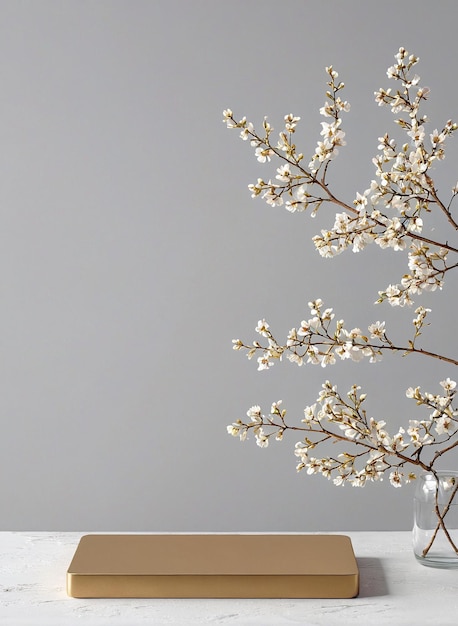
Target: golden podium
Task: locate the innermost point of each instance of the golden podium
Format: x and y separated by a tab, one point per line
213	566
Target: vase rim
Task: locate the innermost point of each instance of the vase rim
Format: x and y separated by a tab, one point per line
439	473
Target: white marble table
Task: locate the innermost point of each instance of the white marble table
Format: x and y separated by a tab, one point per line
394	590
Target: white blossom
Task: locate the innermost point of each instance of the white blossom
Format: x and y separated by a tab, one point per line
396	478
291	122
263	328
254	413
263	154
448	384
377	329
283	173
264	363
444	425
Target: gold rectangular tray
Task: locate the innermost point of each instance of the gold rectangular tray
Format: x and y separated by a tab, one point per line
213	566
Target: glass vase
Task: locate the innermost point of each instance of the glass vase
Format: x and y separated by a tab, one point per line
435	530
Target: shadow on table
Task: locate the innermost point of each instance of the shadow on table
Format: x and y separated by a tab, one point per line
372	581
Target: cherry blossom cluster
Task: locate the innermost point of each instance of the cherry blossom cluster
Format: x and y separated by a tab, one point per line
395	212
315	341
337	419
391	212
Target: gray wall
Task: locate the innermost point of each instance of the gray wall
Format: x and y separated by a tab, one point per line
131	254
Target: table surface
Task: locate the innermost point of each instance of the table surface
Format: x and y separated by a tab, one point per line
394	589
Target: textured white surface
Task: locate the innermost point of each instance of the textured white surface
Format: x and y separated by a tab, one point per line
395	590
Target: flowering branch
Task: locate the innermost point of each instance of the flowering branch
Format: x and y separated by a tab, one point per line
403	186
393	213
314	342
333	418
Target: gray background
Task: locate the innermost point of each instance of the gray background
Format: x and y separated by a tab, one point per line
131	254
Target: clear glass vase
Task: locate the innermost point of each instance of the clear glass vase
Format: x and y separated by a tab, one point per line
435	530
